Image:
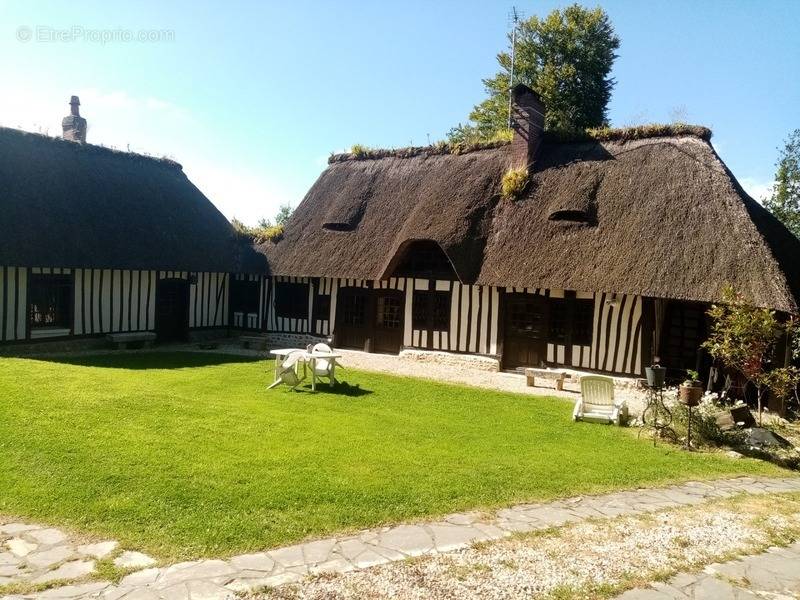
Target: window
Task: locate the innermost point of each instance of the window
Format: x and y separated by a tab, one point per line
353	309
322	307
291	300
245	296
426	260
582	323
431	311
559	320
570	321
389	312
527	316
50	301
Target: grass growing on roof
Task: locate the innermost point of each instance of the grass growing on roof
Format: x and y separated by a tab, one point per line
514	182
186	455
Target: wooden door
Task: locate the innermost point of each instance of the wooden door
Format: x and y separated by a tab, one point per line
388	330
352	318
172	310
525	330
683	331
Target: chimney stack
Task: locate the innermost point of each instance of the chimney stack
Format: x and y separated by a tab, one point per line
74	125
527	122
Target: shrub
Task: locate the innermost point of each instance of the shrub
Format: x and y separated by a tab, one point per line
259	234
514	182
359	151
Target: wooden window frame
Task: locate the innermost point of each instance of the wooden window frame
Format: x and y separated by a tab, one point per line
245	296
570	305
291	300
424	301
66	285
322	307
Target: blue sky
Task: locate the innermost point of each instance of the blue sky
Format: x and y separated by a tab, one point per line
252	97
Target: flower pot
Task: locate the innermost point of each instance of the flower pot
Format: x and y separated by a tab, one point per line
690	394
655	376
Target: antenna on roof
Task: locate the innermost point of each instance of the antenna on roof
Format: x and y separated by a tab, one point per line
514	16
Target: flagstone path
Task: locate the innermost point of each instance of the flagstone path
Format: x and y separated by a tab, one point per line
772	574
35	554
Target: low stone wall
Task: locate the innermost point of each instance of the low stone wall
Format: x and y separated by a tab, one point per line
291	340
473	361
54	346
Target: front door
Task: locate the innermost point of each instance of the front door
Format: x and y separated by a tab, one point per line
388	333
172	310
369	319
525	331
352	323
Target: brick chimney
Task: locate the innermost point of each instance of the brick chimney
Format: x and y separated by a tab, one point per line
527	122
74	125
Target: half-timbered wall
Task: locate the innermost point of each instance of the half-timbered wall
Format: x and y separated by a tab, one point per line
475	325
473	315
616	334
112	300
253	319
208	300
13	303
286	324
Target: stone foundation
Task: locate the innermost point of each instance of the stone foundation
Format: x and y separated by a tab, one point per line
473	361
55	346
292	340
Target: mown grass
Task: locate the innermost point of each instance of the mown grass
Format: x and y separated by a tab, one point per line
185	455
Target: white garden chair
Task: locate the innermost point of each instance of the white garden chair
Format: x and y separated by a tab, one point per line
287	371
324	367
597	402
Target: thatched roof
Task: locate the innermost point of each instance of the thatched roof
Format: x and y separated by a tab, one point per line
659	217
65	204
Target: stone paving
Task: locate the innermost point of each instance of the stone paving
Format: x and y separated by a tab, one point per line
772	574
37	554
209	579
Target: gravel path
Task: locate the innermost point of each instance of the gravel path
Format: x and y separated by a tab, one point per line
457	533
589	559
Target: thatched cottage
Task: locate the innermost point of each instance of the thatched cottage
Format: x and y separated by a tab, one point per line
95	242
606	259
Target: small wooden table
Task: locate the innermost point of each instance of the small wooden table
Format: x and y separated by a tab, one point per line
307	359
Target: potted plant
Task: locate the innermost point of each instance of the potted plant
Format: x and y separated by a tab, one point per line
655	376
690	391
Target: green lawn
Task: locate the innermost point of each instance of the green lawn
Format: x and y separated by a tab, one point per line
186	455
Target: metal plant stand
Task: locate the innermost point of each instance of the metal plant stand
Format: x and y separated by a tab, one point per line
689	428
656	417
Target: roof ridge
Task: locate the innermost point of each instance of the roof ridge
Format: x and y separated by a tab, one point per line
87	147
598	134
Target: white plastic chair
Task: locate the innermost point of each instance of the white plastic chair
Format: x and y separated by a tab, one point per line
597	402
287	371
324	367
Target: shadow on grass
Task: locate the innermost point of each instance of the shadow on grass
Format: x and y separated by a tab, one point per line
342	388
150	360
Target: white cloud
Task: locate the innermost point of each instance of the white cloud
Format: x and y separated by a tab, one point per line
757	188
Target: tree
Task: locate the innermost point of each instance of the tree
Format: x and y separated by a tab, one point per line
785	200
744	338
566	58
284	212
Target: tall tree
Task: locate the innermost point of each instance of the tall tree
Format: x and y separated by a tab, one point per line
784	202
565	57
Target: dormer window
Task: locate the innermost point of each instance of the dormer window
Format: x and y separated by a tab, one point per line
338	226
424	259
571	216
